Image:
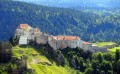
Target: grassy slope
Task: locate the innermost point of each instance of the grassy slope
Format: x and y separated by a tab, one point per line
114	49
37	62
101	44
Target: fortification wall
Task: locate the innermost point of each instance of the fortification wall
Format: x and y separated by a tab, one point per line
80	43
35	35
52	43
61	44
41	39
19	33
87	47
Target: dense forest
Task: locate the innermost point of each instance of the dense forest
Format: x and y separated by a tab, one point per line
91	24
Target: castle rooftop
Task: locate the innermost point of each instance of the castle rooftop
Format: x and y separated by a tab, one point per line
66	38
24	26
86	43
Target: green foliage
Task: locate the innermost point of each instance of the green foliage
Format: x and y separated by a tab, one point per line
76	57
5	52
89	71
77	72
118	66
109	56
96	66
109	72
43	60
98	56
10	68
101	44
114	49
81	64
0	72
106	66
44	64
102	72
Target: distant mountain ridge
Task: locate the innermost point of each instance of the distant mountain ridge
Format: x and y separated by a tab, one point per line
75	3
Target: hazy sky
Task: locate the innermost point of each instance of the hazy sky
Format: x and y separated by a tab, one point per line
76	2
68	0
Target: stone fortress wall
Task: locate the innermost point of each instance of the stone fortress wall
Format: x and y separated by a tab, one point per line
56	42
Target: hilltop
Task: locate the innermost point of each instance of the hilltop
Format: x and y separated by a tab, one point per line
90	24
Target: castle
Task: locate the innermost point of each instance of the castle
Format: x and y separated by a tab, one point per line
27	34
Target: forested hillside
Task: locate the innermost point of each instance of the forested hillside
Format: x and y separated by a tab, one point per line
91	24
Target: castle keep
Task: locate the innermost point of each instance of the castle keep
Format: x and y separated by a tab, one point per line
27	34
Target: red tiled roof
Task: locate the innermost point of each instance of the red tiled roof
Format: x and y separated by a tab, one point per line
24	26
66	37
86	43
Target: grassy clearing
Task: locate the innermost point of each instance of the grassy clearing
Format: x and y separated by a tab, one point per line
101	44
37	61
114	49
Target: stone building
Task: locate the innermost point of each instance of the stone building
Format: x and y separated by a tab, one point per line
27	34
23	40
61	42
41	38
24	31
86	46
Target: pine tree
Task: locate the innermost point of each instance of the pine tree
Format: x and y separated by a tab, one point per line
11	40
117	55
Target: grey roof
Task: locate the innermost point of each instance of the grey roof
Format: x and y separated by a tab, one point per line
23	40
